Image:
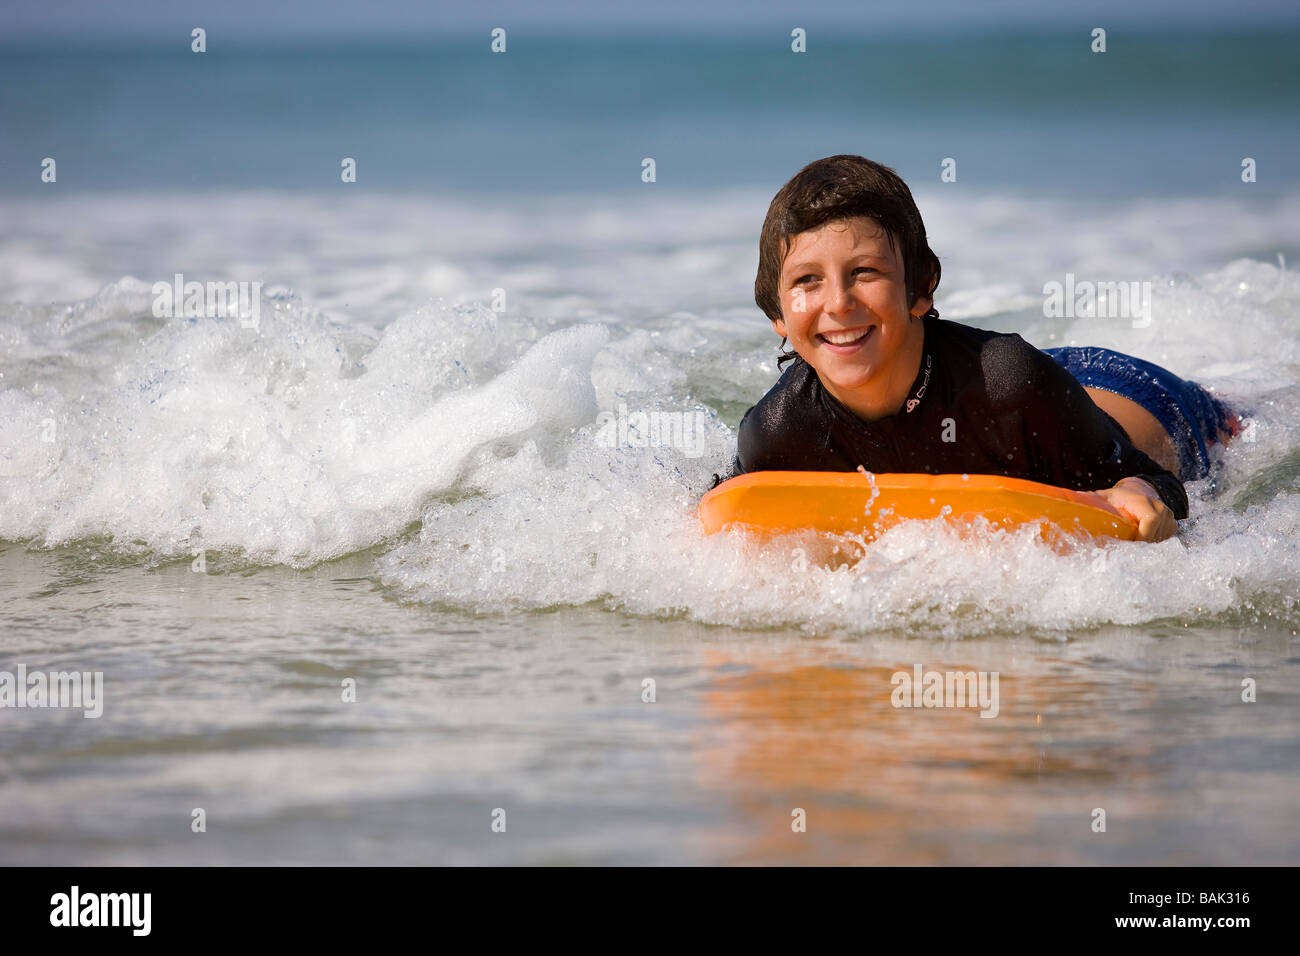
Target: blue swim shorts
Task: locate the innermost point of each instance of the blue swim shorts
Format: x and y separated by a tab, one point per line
1192	416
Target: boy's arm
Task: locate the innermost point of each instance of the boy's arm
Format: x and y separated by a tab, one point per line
1069	438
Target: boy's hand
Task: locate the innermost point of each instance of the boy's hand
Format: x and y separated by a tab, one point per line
1139	501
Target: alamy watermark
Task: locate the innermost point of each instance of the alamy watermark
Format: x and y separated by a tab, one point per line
197	300
75	908
922	688
683	431
1086	299
76	689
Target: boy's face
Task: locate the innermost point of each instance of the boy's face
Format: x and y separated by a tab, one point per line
845	309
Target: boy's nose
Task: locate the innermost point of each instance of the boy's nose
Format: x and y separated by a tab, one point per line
838	300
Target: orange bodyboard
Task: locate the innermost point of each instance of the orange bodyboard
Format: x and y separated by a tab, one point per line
867	505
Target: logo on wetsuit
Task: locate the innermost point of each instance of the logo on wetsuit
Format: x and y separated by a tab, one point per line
916	399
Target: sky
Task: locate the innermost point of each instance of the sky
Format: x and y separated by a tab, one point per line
81	21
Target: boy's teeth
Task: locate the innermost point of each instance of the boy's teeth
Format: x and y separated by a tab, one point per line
844	338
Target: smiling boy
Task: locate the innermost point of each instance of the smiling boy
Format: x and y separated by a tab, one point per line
880	381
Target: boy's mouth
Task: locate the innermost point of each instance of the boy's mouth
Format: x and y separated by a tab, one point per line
847	340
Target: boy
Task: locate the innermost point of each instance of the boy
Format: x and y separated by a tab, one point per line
880	381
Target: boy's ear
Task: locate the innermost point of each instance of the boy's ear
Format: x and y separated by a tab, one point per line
921	305
778	326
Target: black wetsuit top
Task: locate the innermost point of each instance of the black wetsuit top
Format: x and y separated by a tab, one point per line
1005	407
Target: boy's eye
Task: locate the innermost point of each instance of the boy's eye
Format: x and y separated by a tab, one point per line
812	278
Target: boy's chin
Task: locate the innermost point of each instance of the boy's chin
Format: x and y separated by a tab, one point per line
845	379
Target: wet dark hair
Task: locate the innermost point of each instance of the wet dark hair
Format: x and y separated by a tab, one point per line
837	188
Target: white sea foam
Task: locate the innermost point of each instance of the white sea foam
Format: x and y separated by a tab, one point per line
215	437
463	443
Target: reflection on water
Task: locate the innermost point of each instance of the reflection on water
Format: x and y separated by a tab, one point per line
814	728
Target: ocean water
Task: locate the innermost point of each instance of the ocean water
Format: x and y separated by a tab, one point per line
399	476
1161	111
